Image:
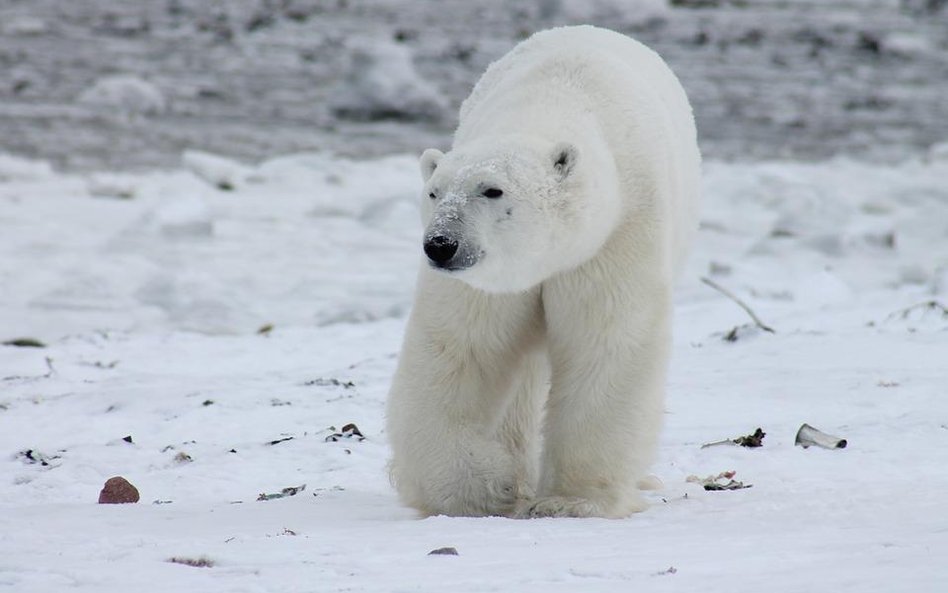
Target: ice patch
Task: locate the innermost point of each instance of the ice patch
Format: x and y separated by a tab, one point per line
222	173
113	185
125	93
185	215
907	44
938	153
14	168
587	11
381	83
25	26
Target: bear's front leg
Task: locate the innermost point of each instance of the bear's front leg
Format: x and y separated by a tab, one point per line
460	474
608	349
463	350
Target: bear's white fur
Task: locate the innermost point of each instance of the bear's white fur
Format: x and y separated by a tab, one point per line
531	378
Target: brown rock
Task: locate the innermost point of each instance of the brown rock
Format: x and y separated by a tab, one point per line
118	490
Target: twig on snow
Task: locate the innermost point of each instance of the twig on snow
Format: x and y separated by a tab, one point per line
739	302
926	306
199	562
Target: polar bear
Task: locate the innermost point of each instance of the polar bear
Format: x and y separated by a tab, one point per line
531	377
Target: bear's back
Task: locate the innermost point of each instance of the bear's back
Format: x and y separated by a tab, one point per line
592	54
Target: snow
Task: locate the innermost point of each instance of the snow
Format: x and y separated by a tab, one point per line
153	291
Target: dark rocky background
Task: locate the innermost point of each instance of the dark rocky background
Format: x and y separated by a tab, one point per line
800	79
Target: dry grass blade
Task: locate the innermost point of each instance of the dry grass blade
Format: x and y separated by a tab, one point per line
739	302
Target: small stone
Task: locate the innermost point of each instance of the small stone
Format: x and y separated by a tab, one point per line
444	552
118	490
25	343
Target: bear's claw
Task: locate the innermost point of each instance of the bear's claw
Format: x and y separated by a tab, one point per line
558	506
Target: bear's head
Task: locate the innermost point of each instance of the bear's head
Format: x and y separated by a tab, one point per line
505	217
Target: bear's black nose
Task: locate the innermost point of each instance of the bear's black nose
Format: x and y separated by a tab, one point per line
440	249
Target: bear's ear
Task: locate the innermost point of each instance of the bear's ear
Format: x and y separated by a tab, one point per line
564	159
429	162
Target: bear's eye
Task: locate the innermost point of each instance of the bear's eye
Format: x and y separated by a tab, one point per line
492	192
432	196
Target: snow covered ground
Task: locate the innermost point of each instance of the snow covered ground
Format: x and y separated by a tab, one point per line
155	294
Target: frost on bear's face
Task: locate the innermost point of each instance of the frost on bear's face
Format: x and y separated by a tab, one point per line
498	220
